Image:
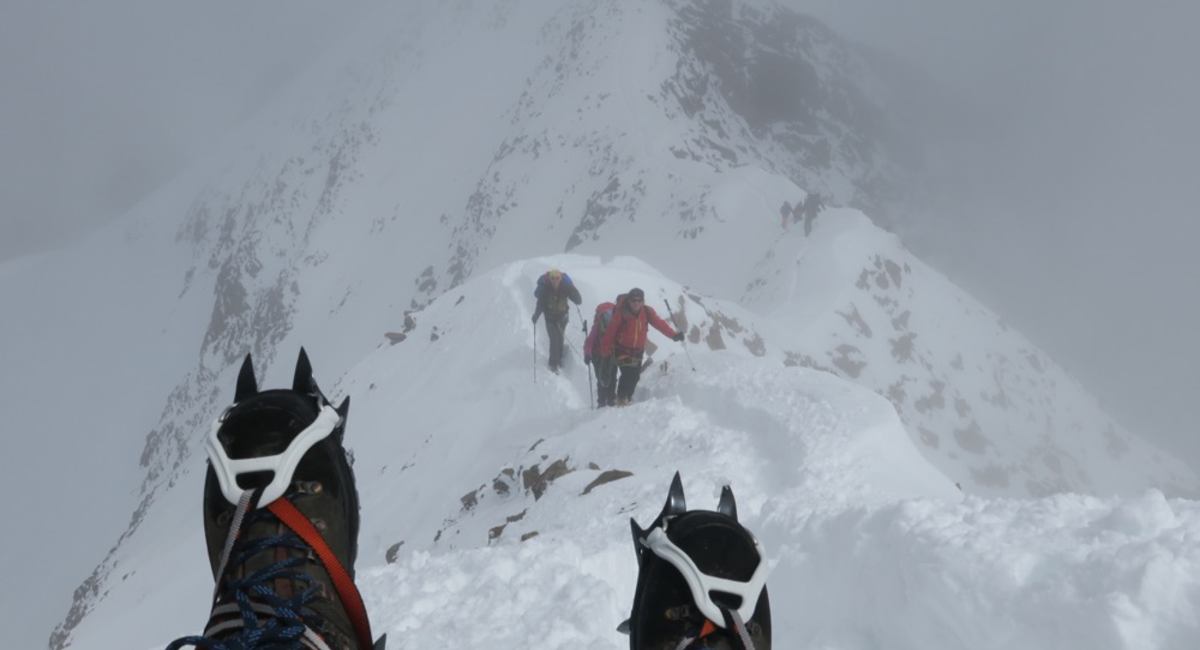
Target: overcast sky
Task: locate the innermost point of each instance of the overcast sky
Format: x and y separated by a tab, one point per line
104	101
1083	197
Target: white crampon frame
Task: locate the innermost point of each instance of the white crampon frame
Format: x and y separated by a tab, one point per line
702	585
282	465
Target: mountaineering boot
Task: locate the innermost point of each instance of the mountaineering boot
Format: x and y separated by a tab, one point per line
281	523
701	580
622	401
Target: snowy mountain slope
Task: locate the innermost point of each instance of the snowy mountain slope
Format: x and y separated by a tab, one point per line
495	507
477	442
452	139
366	176
623	124
985	405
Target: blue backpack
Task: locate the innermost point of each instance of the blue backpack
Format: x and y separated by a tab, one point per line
537	292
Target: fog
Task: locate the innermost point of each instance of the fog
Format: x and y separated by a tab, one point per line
103	102
1072	218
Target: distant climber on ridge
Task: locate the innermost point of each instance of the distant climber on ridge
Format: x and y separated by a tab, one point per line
554	289
812	207
606	369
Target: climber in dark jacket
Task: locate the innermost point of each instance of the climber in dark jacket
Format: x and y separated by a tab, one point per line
553	291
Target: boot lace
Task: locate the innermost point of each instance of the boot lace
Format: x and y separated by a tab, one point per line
248	613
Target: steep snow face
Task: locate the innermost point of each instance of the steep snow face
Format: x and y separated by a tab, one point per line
985	405
600	127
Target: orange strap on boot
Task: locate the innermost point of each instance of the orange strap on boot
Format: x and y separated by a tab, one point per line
294	519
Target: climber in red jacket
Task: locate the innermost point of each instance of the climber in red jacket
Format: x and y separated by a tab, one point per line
625	339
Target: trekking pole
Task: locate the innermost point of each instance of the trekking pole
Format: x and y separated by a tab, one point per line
583	320
684	341
535	352
571	346
591	397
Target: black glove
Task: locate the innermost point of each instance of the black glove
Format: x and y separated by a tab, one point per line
587	361
678	336
535	318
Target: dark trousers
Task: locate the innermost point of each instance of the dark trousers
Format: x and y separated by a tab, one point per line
556	325
606	381
629	379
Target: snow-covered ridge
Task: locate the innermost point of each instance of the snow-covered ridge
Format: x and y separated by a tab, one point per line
496	505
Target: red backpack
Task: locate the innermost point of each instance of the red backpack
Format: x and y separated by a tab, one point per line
604	314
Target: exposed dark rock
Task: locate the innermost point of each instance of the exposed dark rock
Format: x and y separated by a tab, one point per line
606	477
393	552
849	360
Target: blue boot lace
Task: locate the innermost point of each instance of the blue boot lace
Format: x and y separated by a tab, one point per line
247	612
